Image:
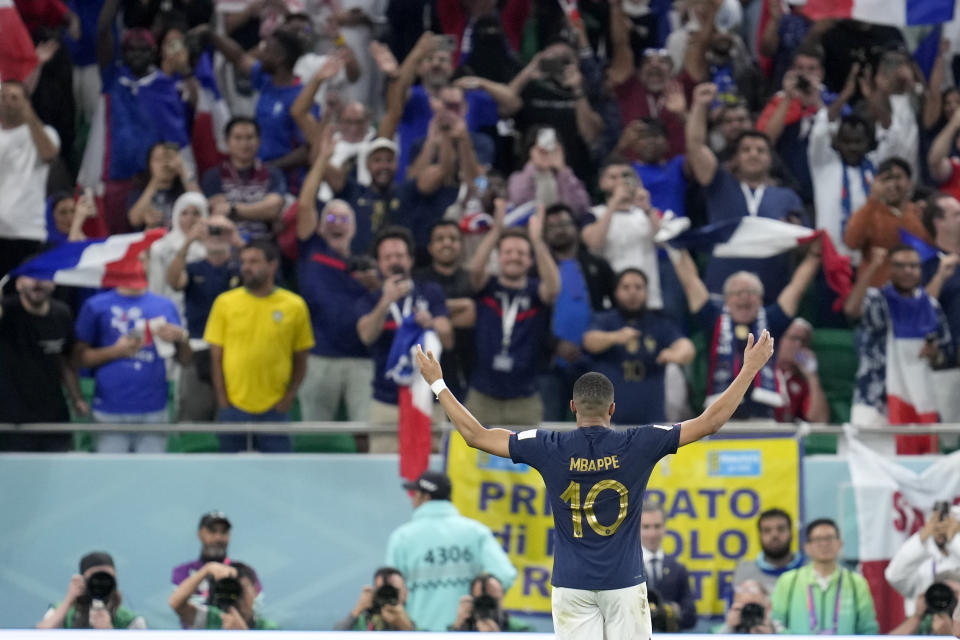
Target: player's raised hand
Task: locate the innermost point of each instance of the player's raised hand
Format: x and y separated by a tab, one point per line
757	353
429	367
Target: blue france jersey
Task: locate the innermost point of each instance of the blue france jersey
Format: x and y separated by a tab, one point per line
595	479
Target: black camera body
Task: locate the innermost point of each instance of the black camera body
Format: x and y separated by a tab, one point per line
486	608
803	84
940	598
225	593
751	615
386	594
101	585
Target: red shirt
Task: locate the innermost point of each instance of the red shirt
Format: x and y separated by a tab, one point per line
794	386
636	102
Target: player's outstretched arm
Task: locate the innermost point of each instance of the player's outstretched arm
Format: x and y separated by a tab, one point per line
717	414
495	441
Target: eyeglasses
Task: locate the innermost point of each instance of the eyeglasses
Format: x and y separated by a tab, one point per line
905	265
819	539
333	217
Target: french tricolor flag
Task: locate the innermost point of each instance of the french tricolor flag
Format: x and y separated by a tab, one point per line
414	397
757	237
897	13
107	262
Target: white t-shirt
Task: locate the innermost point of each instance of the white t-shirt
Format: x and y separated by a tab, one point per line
630	244
23	184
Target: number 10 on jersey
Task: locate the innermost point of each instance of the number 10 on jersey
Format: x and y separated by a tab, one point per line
572	495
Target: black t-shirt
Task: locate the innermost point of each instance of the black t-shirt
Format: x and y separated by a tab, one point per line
31	347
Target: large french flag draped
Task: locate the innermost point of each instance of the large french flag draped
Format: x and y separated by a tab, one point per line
17	55
897	13
107	262
892	503
757	237
414	397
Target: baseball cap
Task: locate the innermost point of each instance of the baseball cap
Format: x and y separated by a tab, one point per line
434	483
213	517
95	559
382	143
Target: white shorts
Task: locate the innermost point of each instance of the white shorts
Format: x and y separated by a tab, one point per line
611	614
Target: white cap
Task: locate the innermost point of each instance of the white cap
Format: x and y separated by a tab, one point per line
382	143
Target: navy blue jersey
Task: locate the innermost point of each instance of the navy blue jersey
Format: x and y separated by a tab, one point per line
595	479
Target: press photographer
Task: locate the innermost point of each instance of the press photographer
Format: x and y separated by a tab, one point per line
92	600
482	610
380	607
935	607
230	603
750	610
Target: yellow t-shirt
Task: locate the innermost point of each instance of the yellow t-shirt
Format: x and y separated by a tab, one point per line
259	337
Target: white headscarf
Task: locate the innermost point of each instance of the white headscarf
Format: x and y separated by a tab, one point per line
163	250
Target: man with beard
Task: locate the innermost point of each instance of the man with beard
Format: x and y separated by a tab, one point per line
632	345
259	337
37	342
775	558
586	287
932	550
512	321
446	269
214	536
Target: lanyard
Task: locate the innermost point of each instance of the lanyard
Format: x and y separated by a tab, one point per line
814	621
398	315
866	177
511	308
753	198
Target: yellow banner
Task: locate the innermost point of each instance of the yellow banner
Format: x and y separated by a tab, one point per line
712	491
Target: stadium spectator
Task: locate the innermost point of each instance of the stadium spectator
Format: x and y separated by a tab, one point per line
482	610
622	229
188	212
934	613
877	223
271	73
665	576
166	179
546	177
27	147
233	592
214	536
776	557
512	321
203	267
888	96
904	310
139	106
749	611
440	547
731	120
410	107
586	287
338	368
67	217
743	312
124	334
941	219
664	177
822	597
744	190
93	600
380	607
942	162
37	347
381	312
934	549
553	90
782	36
446	269
632	346
250	192
259	338
797	377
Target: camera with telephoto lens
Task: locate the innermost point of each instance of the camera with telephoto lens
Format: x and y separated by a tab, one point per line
101	585
940	598
486	607
216	230
387	594
751	615
225	593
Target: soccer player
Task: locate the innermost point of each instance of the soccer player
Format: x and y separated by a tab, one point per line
595	480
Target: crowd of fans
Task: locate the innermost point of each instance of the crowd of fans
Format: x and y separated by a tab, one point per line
446	572
499	171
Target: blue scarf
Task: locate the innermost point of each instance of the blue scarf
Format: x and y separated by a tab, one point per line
866	175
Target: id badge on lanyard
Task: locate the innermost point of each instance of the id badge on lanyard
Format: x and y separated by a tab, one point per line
753	198
503	361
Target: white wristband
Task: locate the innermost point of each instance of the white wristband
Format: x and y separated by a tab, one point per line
438	386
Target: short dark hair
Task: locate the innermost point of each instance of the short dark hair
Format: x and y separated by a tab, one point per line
775	513
900	248
593	394
291	44
751	133
894	161
442	222
393	232
810	50
631	270
654	124
613	160
855	121
557	208
270	250
515	232
820	522
483	578
931	211
385	573
245	571
235	120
